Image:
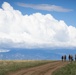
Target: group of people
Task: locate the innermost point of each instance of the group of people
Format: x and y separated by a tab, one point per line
70	57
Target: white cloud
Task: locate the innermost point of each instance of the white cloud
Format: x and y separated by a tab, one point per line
46	7
35	30
4	50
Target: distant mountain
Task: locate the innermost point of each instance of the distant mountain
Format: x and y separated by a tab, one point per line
35	54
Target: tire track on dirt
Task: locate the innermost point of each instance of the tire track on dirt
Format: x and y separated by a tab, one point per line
50	71
46	69
43	69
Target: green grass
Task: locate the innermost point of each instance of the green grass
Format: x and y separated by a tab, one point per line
69	69
11	66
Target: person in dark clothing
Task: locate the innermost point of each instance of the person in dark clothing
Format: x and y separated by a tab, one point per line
62	58
69	57
75	57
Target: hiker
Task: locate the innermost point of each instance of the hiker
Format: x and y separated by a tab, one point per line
62	58
75	57
70	58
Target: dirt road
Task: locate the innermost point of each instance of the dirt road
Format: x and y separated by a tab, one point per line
46	69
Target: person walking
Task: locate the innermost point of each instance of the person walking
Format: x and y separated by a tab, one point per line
75	57
62	58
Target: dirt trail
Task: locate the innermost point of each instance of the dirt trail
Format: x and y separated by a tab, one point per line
46	69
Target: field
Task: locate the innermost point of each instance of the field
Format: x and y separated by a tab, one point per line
11	66
70	69
30	67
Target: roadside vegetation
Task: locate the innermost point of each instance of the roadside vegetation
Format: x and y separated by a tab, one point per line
11	66
69	69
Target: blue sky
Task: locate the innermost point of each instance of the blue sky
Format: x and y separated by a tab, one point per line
38	23
49	22
44	25
68	17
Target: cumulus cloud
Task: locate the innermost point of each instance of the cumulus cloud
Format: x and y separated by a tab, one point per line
35	30
46	7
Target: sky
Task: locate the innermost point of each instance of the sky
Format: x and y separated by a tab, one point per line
68	17
31	24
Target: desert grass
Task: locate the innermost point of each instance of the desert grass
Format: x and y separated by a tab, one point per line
7	66
69	69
